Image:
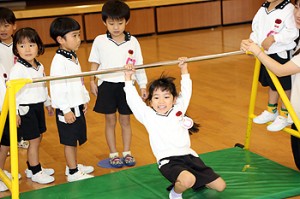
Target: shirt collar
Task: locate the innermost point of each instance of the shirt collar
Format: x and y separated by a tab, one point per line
27	64
279	6
127	37
66	54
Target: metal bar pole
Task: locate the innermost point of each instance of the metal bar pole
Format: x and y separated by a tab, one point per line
118	69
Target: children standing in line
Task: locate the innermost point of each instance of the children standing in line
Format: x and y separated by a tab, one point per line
274	29
115	49
69	96
7	58
168	130
27	46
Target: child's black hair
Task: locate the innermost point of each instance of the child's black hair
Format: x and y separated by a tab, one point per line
7	16
165	83
61	26
31	35
115	9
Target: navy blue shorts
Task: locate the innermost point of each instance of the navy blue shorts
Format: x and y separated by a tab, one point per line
265	79
195	165
33	122
70	134
5	140
111	97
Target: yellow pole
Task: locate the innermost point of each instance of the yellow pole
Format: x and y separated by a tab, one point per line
13	86
252	102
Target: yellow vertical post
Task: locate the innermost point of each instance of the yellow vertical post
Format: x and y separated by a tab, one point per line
252	102
13	86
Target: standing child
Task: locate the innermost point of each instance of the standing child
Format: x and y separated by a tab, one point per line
115	49
7	58
274	29
31	99
69	96
168	130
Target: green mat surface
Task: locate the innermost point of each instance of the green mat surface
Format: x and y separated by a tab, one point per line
247	175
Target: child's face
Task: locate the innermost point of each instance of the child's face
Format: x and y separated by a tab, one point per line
71	41
6	31
297	14
115	27
162	101
27	50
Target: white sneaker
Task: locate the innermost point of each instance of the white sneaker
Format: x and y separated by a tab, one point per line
279	124
79	175
48	171
10	176
81	167
265	117
3	187
42	178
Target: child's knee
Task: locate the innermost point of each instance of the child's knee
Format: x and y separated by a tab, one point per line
187	179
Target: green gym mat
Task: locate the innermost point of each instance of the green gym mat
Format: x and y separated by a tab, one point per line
247	175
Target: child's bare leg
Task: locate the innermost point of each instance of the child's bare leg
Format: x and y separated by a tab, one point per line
273	96
288	94
218	184
71	156
33	151
126	131
110	125
184	181
3	155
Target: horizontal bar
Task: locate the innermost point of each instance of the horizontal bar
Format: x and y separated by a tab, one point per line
118	69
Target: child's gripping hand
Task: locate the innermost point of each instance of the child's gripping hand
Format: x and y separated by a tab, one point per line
70	117
183	65
129	70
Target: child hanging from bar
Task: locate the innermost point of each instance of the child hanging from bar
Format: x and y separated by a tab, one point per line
274	29
168	128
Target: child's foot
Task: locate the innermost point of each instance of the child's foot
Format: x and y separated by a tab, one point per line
116	162
3	187
48	171
42	178
129	160
81	167
279	124
10	176
265	117
79	175
24	144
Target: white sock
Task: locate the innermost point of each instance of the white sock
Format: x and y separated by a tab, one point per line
174	195
126	153
112	155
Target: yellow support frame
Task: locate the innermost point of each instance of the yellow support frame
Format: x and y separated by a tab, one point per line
13	86
283	96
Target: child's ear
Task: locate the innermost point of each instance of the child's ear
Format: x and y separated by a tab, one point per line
104	22
15	27
174	100
59	39
127	22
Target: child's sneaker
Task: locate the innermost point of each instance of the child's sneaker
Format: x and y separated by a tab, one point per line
10	176
79	175
81	167
3	187
24	144
48	171
129	160
265	117
279	124
42	178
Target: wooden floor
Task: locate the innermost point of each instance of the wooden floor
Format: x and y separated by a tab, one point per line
221	93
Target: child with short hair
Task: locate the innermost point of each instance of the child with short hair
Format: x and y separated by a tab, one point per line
30	100
168	128
69	96
274	29
114	49
7	58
